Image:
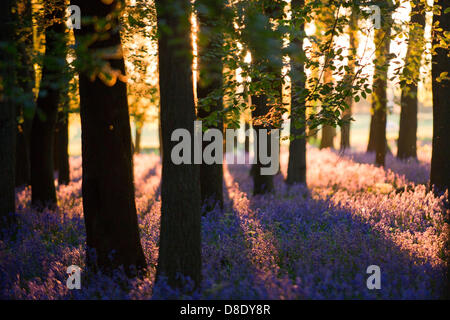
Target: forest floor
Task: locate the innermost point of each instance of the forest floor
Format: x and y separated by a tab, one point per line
312	242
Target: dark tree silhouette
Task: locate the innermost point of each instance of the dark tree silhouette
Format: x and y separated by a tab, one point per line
297	148
26	81
160	134
261	183
440	163
210	80
247	137
407	137
108	191
377	135
61	140
265	45
61	151
44	121
7	115
180	241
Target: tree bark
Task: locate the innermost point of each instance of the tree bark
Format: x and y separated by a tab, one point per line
297	148
440	164
112	231
26	83
7	116
377	136
61	141
211	79
345	128
261	183
347	113
407	138
44	122
247	138
371	143
266	48
138	133
23	136
180	236
328	132
61	145
160	136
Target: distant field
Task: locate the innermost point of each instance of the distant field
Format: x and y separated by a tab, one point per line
360	129
359	133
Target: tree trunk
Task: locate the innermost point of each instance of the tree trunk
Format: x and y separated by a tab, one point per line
112	231
137	142
440	164
297	148
347	113
43	128
61	141
160	136
247	137
261	183
210	69
7	116
180	236
377	137
61	144
345	128
23	131
407	138
312	107
26	83
371	143
328	132
266	49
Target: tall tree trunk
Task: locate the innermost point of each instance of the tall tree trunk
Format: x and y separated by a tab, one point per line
297	148
23	135
7	115
328	132
407	138
43	128
440	164
261	183
211	79
108	191
276	12
161	152
61	145
138	134
26	83
62	136
180	236
377	137
327	139
353	42
371	143
247	137
266	49
61	140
